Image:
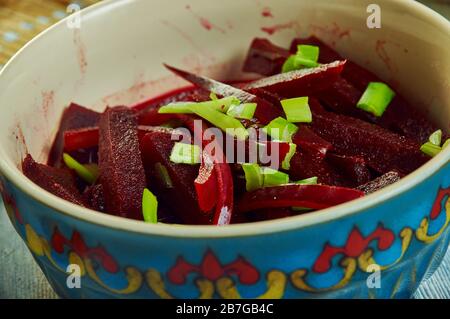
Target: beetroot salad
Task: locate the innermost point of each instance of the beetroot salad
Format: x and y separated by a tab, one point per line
314	131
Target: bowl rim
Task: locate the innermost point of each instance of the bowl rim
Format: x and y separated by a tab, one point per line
63	207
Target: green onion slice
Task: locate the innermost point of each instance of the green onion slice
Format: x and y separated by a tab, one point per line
376	98
242	111
224	122
163	175
286	164
430	149
149	207
308	181
185	153
280	129
436	138
297	110
289	64
307	55
79	168
273	177
253	176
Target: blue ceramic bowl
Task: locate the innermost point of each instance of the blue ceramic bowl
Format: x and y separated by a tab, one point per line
115	57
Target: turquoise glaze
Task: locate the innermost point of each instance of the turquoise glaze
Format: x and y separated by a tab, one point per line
288	264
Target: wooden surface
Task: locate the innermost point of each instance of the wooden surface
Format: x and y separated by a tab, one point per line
20	277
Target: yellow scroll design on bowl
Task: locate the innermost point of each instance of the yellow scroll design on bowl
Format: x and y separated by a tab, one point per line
298	277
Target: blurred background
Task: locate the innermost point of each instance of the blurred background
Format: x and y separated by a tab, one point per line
20	277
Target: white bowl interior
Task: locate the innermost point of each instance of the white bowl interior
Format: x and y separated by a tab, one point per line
116	56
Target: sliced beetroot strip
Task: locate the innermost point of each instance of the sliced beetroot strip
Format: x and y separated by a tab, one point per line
353	167
308	163
265	112
206	185
304	82
309	196
88	137
188	93
93	195
74	117
383	150
264	57
225	201
380	182
80	139
122	173
306	138
58	181
181	198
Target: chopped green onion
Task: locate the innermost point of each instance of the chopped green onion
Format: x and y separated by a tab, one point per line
213	96
273	177
307	55
149	207
376	98
224	122
242	111
177	108
79	168
280	129
93	168
221	105
289	64
297	110
163	175
185	153
286	164
436	138
430	149
447	143
308	181
253	177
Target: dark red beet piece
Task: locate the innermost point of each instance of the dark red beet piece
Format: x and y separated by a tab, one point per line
308	163
353	167
383	150
309	196
182	197
265	58
80	139
302	82
380	182
225	201
122	173
265	112
94	197
306	138
58	181
74	117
